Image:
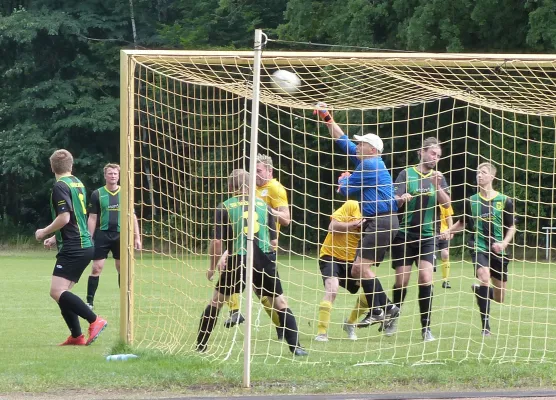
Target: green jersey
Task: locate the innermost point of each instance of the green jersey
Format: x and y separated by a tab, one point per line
69	195
231	225
106	205
488	220
420	214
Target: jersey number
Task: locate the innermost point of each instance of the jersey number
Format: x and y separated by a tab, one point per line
82	200
256	226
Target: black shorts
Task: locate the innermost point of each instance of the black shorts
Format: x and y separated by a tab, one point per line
331	268
378	233
70	263
106	242
266	281
408	251
442	244
498	265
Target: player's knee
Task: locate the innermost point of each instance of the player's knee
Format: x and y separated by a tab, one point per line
483	276
280	302
445	255
97	268
55	293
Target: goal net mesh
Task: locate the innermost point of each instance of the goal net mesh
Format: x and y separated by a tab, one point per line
192	116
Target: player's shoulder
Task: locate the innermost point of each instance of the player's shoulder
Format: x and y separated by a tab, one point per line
474	197
274	184
351	205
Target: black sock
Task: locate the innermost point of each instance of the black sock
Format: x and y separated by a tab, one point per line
374	292
72	321
92	285
398	295
288	322
69	301
118	279
425	304
484	306
206	325
491	293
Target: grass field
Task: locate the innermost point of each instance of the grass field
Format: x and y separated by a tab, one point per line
171	296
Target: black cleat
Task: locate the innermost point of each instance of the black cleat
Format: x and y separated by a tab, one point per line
234	319
300	352
201	348
446	285
371	319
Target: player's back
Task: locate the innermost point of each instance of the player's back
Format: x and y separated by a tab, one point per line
237	209
75	233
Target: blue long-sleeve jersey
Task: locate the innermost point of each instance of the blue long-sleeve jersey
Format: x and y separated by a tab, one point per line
370	182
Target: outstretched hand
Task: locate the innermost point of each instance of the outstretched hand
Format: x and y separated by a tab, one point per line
322	111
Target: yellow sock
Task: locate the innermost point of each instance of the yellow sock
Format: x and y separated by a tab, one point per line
445	269
233	302
324	316
361	307
267	305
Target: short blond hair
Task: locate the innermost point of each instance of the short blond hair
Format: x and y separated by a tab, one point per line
265	159
61	161
491	168
238	179
111	165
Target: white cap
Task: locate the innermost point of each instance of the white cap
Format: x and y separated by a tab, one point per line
372	139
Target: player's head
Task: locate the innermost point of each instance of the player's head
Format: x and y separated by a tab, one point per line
61	162
264	169
486	172
111	173
238	181
368	145
430	152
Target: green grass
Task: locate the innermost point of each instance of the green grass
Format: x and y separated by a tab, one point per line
172	294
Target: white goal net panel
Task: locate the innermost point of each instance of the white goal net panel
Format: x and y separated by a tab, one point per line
191	126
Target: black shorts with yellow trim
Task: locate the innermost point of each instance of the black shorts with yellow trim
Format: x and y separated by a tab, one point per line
334	268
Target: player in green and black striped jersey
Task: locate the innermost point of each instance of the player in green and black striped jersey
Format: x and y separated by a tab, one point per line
419	191
490	219
230	237
104	227
75	248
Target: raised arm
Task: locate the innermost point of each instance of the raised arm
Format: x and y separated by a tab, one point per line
335	131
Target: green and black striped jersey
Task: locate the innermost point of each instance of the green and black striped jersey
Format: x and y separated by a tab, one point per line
69	195
488	220
231	225
106	204
419	216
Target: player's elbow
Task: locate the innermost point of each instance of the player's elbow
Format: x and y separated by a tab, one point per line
285	221
64	218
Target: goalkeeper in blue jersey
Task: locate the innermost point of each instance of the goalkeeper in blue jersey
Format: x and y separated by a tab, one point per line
489	215
371	183
230	237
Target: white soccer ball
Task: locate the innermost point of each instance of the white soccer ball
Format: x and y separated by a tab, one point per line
286	81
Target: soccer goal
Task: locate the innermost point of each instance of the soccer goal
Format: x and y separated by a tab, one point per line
188	119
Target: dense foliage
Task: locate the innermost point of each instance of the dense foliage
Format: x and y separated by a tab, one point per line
59	64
